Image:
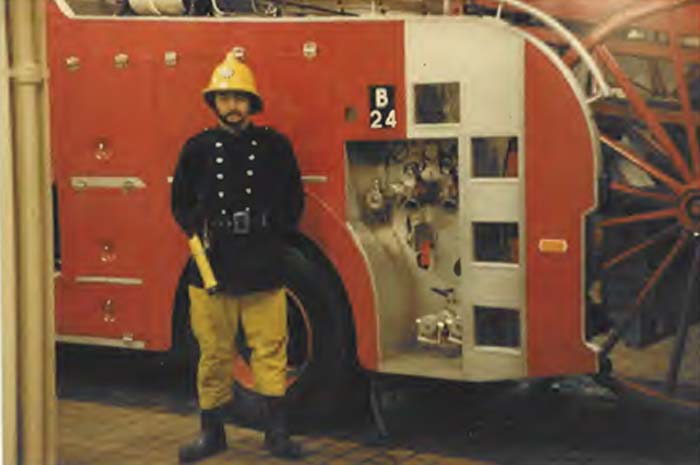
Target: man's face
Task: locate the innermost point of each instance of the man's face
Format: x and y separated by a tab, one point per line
233	107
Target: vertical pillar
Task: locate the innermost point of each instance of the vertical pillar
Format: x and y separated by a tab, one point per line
28	221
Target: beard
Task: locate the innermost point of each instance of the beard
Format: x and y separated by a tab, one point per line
234	125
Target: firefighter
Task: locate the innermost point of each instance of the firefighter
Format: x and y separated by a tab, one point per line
238	187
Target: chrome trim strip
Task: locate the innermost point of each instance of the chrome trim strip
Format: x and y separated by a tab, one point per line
109	280
315	178
106	182
100	341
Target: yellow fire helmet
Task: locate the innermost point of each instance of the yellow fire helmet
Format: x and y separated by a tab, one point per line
232	75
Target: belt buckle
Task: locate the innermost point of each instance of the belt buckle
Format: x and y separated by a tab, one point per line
241	222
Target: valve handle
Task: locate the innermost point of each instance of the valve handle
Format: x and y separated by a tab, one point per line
443	292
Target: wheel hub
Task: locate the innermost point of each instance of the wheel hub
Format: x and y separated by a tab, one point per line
694	209
690	211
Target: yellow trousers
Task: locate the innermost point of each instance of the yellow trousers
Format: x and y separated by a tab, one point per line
215	318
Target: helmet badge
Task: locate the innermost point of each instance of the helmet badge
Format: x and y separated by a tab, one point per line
226	72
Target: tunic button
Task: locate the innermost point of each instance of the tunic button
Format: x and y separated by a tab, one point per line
253	142
219	176
247	209
248	190
249	172
251	157
219	144
219	160
223	212
221	195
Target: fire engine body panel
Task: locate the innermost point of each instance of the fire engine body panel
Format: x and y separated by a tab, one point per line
448	162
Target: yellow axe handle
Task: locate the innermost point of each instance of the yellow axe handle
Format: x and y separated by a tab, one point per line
200	258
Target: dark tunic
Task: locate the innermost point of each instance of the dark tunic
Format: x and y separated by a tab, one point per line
219	174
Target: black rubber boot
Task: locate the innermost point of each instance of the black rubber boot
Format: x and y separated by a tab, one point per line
277	440
211	440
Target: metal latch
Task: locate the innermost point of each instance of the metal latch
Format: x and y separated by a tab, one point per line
170	58
73	63
108	312
121	61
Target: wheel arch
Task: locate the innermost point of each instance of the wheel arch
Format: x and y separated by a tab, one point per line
309	249
328	239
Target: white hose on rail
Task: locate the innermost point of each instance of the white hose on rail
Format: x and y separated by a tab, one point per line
158	7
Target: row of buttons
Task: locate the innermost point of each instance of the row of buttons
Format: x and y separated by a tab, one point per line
249	172
220	144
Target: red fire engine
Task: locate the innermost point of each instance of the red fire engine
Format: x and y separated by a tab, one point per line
489	185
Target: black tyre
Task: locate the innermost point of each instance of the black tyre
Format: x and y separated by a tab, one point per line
321	356
322	374
184	351
184	348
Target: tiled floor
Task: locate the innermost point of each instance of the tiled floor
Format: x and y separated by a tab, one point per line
96	434
121	408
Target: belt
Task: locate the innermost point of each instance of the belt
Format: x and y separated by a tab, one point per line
241	223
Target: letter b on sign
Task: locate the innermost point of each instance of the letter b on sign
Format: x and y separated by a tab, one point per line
381	97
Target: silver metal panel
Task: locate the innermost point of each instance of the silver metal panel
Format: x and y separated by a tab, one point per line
494	106
397	291
491	363
402	289
496	286
422	363
501	285
493	200
488	65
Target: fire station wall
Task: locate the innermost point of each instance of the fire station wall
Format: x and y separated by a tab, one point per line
143	112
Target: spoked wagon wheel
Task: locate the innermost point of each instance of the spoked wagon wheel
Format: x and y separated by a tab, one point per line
647	233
